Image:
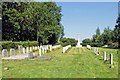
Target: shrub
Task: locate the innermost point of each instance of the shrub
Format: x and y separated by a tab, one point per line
115	45
12	44
92	44
68	41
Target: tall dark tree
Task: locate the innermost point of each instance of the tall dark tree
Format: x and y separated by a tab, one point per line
117	31
96	37
32	21
107	36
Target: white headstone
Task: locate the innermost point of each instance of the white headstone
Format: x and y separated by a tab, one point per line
0	48
43	50
30	49
50	46
66	48
20	49
33	48
105	56
12	52
111	59
27	49
4	53
39	51
96	51
63	49
47	47
23	50
88	47
38	47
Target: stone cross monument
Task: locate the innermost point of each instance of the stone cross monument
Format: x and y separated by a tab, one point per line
78	43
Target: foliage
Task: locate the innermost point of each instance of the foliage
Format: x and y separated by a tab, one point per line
96	37
87	41
13	44
115	45
28	21
68	41
117	31
92	44
107	35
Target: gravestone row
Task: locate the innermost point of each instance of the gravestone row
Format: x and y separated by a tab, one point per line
29	50
56	46
66	48
105	56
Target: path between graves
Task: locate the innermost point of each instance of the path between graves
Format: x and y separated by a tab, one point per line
85	62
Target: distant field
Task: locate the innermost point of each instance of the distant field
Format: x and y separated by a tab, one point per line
76	63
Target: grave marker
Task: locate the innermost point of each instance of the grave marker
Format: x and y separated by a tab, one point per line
30	55
4	53
12	52
39	51
105	56
111	59
23	50
27	49
30	49
20	49
50	46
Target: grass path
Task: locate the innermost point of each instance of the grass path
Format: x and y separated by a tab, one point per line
75	63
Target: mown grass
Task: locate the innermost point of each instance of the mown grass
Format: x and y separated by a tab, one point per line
75	63
0	67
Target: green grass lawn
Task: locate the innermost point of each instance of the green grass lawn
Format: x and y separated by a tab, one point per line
76	63
0	67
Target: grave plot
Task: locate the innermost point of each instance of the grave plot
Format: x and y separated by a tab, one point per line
28	52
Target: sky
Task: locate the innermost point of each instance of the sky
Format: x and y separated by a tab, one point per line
84	17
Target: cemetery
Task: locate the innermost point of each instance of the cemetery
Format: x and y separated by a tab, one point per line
77	62
35	45
49	61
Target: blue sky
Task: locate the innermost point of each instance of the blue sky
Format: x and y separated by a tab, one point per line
85	17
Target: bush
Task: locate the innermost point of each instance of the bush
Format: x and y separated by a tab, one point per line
83	44
92	44
12	44
114	45
68	41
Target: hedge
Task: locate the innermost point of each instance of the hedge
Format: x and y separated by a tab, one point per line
92	44
13	44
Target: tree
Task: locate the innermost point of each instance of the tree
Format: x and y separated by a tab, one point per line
96	37
68	41
107	35
117	31
87	41
32	21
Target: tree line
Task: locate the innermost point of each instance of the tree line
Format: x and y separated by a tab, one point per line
32	21
108	37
